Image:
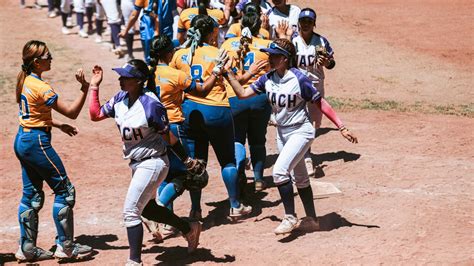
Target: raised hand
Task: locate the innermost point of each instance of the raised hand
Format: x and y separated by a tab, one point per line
81	78
258	66
97	75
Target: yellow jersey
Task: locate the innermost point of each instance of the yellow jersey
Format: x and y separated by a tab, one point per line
203	62
170	86
184	22
254	55
139	4
36	100
235	30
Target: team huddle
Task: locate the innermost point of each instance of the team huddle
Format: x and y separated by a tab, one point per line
217	83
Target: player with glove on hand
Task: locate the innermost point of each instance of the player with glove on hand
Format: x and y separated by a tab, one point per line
143	125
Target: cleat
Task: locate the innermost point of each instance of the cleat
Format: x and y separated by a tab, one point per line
241	211
309	166
72	251
259	185
65	31
98	39
287	225
193	236
83	34
36	254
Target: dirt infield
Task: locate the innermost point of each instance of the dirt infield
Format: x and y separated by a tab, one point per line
407	186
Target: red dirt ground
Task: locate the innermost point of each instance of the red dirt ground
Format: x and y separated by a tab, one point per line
407	186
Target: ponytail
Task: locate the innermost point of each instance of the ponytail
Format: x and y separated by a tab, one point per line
32	50
202	6
201	27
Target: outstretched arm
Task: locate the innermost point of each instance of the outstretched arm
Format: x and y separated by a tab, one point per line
327	110
95	110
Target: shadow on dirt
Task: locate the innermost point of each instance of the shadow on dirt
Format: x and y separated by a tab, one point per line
6	257
328	222
178	256
318	159
99	242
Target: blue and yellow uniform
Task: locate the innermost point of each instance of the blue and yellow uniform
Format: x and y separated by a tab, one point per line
235	30
39	161
208	119
170	87
184	22
250	115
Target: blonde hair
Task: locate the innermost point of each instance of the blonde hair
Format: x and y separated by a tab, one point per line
32	50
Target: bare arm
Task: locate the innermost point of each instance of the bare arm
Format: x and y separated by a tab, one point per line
131	22
72	110
237	87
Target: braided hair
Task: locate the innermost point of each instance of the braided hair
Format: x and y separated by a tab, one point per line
202	7
201	27
31	51
160	46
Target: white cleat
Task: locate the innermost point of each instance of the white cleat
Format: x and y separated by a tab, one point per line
287	225
83	34
65	31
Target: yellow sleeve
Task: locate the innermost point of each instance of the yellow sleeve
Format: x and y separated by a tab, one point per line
184	80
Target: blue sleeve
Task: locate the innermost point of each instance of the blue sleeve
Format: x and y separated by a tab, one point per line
51	100
191	87
307	90
137	8
157	117
328	46
108	108
259	85
229	35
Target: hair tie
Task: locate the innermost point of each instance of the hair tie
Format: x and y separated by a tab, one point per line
25	68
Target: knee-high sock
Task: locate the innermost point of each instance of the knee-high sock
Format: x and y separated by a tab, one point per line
229	174
160	214
195	196
167	194
89	13
129	42
240	155
80	20
306	195
135	240
257	157
64	18
99	26
286	194
114	31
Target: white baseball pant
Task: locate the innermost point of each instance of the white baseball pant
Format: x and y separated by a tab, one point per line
147	176
293	142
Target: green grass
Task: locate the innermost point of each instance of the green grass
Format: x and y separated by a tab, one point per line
466	110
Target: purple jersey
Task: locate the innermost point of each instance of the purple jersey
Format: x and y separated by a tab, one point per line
141	125
287	95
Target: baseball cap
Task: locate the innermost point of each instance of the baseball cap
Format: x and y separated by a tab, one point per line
307	13
275	49
129	71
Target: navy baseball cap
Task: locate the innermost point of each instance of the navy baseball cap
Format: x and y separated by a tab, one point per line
307	13
275	49
129	71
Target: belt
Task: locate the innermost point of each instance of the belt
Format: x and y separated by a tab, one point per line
29	129
147	158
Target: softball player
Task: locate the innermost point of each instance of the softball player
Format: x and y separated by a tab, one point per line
170	85
148	25
283	16
250	115
235	29
143	125
39	161
208	118
288	90
185	18
314	53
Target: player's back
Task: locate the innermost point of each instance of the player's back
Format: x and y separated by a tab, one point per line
185	18
36	100
203	61
235	30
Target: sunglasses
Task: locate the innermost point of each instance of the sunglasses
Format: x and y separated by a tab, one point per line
46	57
275	46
